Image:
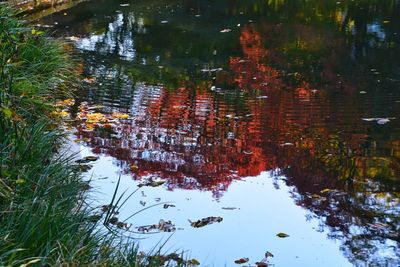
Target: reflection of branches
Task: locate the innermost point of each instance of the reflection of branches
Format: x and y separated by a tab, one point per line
202	137
361	212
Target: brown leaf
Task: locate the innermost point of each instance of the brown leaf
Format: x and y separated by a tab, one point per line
241	260
205	221
282	235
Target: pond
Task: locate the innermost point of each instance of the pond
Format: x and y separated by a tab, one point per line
266	118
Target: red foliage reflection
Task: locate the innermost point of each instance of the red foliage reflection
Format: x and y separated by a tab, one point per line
197	139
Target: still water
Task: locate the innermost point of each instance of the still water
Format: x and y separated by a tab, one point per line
277	116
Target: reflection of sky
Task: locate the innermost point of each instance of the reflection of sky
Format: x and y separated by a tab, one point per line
249	231
376	29
111	41
264	211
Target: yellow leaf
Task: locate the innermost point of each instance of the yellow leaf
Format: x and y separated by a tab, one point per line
117	115
96	117
194	262
66	102
134	167
89	127
61	114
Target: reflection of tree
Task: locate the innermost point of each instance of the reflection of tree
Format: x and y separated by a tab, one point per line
358	201
200	134
196	139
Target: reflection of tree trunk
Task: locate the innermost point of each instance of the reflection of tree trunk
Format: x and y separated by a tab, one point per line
360	39
359	15
350	178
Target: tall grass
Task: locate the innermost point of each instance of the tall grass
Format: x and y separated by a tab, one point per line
44	219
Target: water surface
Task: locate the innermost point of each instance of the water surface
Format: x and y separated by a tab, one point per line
278	116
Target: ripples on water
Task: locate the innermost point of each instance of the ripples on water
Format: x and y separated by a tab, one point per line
221	91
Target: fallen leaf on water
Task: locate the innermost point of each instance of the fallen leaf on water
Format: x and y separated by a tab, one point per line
369	119
166	206
318	197
326	190
287	144
113	220
108	125
225	30
121	225
379	120
105	208
96	117
61	114
84	168
241	260
87	159
163	226
193	262
134	167
151	183
166	259
91	158
282	235
383	121
89	127
73	38
205	221
66	102
379	226
229	208
89	80
268	254
118	115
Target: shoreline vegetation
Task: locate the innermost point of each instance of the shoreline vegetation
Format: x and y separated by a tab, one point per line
41	7
45	218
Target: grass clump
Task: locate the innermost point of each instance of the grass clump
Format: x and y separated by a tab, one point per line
44	220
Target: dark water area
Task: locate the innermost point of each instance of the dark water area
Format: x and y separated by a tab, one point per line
287	109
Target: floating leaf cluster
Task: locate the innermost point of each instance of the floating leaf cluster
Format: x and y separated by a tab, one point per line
205	221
